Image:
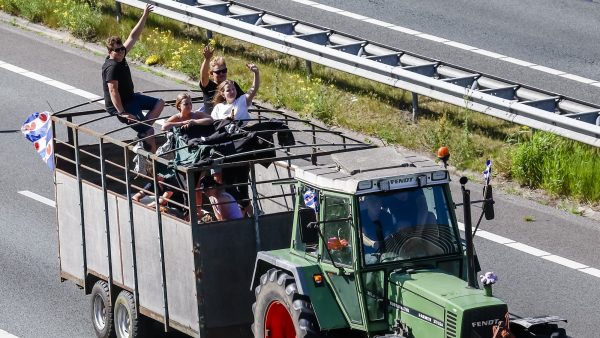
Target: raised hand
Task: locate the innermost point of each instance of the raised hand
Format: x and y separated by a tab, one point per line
208	52
252	67
149	8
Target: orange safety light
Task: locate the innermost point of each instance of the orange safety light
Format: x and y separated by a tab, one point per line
318	279
443	154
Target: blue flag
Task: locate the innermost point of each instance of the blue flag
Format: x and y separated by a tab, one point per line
38	129
311	201
487	173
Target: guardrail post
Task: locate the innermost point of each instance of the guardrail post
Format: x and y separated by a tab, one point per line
308	68
118	12
415	105
598	120
209	34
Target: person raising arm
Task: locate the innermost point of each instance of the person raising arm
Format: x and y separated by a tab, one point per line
229	105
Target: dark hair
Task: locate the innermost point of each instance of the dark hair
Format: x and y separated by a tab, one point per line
112	41
219	96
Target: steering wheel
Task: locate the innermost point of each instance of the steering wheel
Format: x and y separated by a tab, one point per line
412	243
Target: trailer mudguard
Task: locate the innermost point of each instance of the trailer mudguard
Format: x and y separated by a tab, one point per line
327	310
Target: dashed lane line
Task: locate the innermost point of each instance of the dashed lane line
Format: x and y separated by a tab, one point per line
4	334
38	198
451	43
50	82
535	252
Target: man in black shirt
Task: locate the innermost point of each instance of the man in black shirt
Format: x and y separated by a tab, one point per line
119	96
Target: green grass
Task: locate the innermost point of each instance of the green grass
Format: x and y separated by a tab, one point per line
560	166
541	160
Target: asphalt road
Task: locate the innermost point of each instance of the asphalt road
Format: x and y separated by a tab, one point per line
35	303
559	34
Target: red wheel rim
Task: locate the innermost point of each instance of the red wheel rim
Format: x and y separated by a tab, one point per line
278	323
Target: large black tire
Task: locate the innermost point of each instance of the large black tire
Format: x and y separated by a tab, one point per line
127	320
101	311
280	310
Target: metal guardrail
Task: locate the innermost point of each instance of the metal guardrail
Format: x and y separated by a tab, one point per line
521	104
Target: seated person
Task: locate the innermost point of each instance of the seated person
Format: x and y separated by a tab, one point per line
165	193
229	105
377	222
224	206
186	117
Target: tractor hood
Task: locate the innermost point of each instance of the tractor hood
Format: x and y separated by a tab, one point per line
439	287
433	303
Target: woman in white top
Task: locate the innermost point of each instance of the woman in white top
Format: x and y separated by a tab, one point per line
227	106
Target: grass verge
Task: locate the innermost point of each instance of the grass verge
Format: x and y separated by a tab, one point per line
537	160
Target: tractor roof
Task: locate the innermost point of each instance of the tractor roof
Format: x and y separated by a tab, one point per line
374	169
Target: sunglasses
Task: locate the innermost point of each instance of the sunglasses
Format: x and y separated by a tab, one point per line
220	71
120	49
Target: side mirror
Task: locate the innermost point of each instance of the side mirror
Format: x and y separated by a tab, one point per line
308	234
488	205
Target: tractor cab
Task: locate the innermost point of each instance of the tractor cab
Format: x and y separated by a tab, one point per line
381	227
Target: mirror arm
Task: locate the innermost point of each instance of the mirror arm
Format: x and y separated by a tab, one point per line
316	225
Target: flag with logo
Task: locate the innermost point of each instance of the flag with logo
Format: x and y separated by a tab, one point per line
487	173
38	129
311	200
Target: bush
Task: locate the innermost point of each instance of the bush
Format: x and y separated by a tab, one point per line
559	165
81	19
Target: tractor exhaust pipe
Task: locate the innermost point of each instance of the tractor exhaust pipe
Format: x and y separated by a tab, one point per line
471	281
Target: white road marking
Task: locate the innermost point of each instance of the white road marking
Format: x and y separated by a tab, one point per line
405	30
328	8
379	22
353	15
488	53
432	37
38	198
534	251
578	78
519	62
60	85
566	262
456	44
528	249
4	334
460	45
548	70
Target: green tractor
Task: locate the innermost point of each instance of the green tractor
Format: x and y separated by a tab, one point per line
376	251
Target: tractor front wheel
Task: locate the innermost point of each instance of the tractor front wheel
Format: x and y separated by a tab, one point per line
280	311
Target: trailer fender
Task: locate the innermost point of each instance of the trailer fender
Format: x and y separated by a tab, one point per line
328	312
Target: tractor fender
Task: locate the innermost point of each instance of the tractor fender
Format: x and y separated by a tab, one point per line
327	310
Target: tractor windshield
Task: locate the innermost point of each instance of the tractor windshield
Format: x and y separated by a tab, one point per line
406	224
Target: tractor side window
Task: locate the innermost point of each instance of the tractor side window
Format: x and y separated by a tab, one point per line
337	230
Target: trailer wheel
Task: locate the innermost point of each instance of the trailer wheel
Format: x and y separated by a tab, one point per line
102	311
127	320
280	311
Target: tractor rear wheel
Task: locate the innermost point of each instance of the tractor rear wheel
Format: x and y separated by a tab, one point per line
280	311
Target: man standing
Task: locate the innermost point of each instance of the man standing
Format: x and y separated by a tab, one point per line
119	96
